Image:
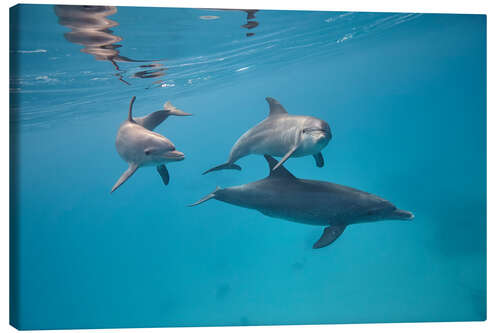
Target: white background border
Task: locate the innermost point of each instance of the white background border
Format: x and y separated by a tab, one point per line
427	6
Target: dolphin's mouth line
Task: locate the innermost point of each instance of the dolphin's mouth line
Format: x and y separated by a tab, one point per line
322	130
174	155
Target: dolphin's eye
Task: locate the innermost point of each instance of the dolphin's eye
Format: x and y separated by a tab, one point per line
303	131
147	152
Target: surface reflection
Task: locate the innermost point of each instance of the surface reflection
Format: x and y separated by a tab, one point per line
91	27
251	23
155	70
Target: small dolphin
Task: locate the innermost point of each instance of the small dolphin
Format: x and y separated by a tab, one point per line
139	146
312	202
283	135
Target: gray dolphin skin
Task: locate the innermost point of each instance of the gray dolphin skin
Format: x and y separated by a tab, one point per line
139	146
283	135
281	195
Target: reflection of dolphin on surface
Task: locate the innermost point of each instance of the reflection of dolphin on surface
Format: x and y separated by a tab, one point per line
281	134
250	24
250	16
312	202
139	146
154	70
250	13
90	27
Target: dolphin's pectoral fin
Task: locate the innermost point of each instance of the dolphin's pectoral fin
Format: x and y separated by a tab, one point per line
330	234
162	170
320	161
223	166
285	158
126	175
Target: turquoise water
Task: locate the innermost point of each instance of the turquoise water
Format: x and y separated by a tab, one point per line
404	94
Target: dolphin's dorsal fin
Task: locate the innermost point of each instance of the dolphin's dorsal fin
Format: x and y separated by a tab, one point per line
281	171
275	108
130	109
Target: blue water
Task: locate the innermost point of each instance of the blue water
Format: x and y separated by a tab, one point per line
405	95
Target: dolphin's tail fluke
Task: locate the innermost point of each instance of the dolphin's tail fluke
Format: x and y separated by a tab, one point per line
205	198
152	120
173	111
222	167
400	214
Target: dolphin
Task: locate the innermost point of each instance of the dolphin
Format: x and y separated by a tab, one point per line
313	202
139	146
283	135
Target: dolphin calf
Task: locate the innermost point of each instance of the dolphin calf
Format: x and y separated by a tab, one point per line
312	202
139	146
281	134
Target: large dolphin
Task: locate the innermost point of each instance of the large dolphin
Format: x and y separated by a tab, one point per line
139	146
281	134
305	201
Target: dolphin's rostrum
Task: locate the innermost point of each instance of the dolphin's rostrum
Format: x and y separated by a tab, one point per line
281	134
139	146
282	195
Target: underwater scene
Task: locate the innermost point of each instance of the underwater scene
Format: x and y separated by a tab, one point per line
213	167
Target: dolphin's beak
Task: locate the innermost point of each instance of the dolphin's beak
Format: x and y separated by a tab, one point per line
321	133
174	155
324	135
327	132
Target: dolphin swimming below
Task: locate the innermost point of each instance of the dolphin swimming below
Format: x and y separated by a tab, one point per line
139	146
281	134
281	195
